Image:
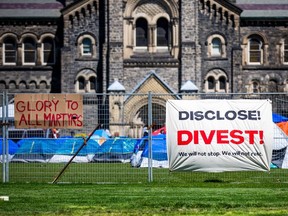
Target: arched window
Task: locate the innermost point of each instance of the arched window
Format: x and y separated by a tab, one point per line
71	20
32	85
141	33
22	85
12	85
255	51
48	55
255	87
216	80
2	85
10	51
211	82
92	83
87	46
151	27
285	51
81	83
29	51
222	83
162	32
272	86
158	115
216	47
43	85
86	81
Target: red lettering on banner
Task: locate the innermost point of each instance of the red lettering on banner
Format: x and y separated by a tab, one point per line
55	104
184	134
185	137
251	135
46	111
222	137
237	137
46	106
29	107
19	106
22	120
62	119
38	123
207	140
28	121
261	137
72	104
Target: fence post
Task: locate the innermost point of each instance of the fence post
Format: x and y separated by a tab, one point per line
6	125
3	139
5	147
150	173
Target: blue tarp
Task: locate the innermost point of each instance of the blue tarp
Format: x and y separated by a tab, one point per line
279	118
159	152
100	136
37	146
38	150
66	146
71	145
12	146
159	149
100	133
115	149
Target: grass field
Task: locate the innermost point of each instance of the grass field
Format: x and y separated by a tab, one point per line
123	173
117	189
144	199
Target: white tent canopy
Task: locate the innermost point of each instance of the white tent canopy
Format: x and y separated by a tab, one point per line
10	111
281	142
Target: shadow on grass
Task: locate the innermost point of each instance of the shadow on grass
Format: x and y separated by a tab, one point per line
214	181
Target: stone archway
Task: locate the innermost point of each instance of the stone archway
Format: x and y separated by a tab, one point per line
158	115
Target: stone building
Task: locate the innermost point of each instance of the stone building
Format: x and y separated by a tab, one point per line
136	46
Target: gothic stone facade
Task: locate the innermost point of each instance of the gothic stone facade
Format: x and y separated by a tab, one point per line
162	46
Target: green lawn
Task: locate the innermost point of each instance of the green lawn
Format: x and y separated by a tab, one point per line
124	173
118	189
144	199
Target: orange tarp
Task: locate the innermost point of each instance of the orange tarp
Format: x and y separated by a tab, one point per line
283	126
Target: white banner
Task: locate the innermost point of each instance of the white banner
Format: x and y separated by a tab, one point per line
219	135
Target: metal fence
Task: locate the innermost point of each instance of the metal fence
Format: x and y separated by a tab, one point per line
116	155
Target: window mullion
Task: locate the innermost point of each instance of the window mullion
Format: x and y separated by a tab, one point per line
152	38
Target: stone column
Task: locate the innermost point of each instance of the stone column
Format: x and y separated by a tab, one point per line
38	54
115	46
116	117
189	41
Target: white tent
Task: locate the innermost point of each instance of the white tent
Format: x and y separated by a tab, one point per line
10	111
280	145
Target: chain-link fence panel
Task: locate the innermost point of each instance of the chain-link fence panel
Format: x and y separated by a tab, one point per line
129	145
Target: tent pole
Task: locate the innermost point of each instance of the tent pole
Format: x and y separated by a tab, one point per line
76	153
